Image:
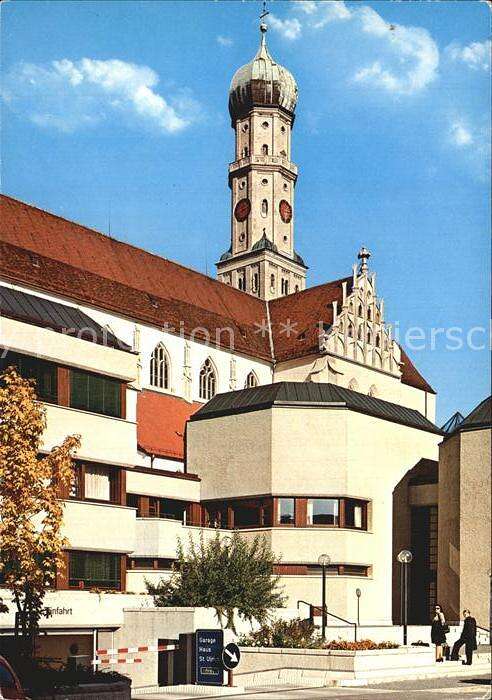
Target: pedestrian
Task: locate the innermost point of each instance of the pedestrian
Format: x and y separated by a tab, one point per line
468	638
438	632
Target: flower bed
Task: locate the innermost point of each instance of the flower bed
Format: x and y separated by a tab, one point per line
302	634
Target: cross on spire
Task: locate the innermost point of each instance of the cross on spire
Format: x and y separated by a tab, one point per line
265	11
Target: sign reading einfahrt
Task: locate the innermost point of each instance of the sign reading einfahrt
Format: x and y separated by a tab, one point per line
209	646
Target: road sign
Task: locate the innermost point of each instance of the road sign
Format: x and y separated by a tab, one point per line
209	646
231	656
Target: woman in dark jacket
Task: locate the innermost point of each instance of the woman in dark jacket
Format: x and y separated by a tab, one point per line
438	633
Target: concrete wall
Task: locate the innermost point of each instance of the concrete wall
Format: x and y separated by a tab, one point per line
475	524
163	486
99	527
232	454
103	439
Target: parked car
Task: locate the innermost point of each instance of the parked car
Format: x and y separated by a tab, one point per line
10	687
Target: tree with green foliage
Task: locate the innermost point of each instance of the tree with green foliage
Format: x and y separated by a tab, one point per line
227	574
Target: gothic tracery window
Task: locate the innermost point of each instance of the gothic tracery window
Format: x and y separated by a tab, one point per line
251	380
160	368
208	380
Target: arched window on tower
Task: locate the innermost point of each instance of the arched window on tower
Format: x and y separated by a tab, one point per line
272	283
264	207
264	149
208	380
160	368
359	333
378	341
369	313
359	311
245	151
251	380
369	337
350	331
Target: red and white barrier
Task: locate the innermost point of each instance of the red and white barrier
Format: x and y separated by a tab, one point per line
111	655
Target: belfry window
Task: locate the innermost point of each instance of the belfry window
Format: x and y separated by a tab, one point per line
350	331
359	311
272	283
208	380
264	208
251	380
369	337
378	341
245	151
255	282
160	367
369	313
264	149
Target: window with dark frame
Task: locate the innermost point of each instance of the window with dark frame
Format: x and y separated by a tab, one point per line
43	372
323	511
95	393
94	570
286	511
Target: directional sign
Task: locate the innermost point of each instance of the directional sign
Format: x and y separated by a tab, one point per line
209	646
231	656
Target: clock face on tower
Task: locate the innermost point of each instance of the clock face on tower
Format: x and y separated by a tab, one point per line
242	209
285	211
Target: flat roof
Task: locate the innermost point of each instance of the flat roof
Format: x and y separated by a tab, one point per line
314	395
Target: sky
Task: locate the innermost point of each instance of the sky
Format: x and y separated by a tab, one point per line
114	114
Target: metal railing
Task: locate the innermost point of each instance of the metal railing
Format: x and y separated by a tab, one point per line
313	608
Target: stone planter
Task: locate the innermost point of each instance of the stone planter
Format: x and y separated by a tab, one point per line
259	663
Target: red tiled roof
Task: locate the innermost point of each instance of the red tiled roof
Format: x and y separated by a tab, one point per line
161	420
411	376
57	255
296	318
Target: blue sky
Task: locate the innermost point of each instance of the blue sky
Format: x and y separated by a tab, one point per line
118	111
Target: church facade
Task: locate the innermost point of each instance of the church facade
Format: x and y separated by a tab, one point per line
249	402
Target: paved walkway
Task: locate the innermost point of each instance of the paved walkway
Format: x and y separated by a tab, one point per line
469	687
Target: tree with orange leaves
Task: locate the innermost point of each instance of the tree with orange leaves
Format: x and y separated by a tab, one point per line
31	542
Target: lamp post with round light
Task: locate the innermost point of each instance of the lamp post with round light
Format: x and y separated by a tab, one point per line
404	557
358	593
324	561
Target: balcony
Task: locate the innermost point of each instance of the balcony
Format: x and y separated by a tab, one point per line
263	160
99	527
104	439
158	537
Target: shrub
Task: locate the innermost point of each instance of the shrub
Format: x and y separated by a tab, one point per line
292	634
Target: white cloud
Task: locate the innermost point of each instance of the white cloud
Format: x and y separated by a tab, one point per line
409	58
307	6
289	28
69	95
476	55
224	40
460	134
332	11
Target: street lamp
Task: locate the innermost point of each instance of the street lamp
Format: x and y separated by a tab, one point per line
324	561
404	557
358	593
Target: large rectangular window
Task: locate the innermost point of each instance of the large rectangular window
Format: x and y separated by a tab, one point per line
95	393
322	511
286	511
94	570
43	372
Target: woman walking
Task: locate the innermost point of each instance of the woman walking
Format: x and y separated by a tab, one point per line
438	632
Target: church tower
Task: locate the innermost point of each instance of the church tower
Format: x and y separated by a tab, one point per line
261	259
